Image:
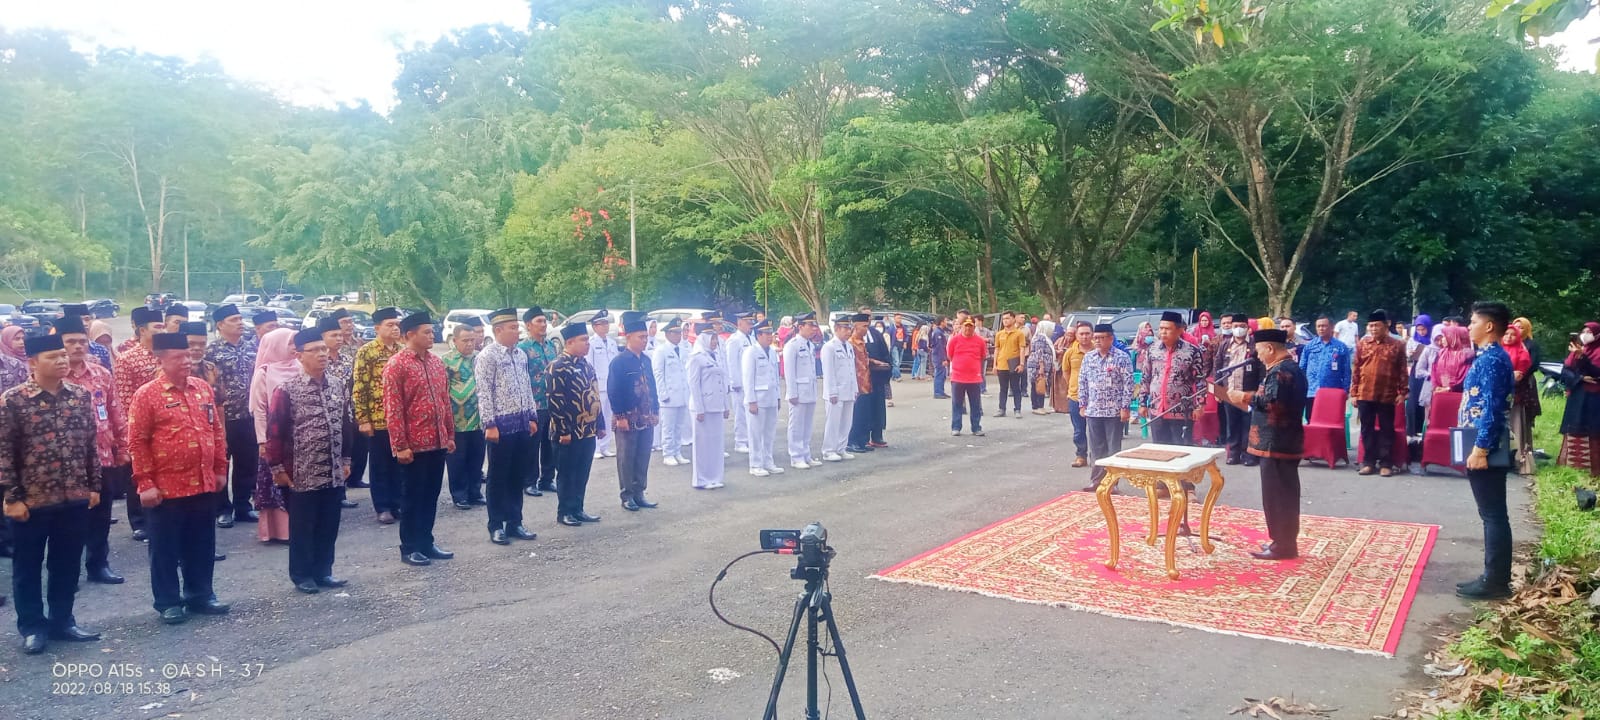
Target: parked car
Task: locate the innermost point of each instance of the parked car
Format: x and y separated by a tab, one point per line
243	299
10	315
585	315
454	318
157	301
47	311
1126	324
365	330
285	303
287	297
103	308
198	311
323	301
690	317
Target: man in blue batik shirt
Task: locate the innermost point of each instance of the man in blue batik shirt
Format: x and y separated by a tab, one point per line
1326	362
1487	392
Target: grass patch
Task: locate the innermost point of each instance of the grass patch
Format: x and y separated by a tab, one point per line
1536	656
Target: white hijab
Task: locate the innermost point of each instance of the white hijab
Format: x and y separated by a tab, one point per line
706	342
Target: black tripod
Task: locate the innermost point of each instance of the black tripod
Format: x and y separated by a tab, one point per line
816	604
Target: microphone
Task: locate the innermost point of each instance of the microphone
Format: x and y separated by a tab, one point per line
1224	372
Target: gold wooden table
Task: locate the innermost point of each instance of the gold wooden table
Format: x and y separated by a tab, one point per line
1187	465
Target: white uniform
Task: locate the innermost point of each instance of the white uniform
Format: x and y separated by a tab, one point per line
708	400
733	355
601	352
762	386
669	363
800	389
839	392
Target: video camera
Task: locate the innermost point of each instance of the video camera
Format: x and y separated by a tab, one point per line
809	544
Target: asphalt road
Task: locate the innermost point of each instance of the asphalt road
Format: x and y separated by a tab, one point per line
611	620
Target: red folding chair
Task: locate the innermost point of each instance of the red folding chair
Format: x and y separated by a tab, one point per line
1402	451
1442	410
1207	430
1324	435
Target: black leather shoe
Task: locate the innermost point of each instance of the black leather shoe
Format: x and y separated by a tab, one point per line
1232	460
209	607
358	484
569	521
34	644
174	615
415	558
73	633
1484	590
249	516
630	505
225	521
521	533
586	517
104	576
646	504
533	492
463	505
347	504
329	581
477	501
1274	554
219	557
1465	583
434	552
308	587
548	486
859	450
1251	461
498	537
141	536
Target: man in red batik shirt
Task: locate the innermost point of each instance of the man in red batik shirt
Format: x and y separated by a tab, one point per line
422	430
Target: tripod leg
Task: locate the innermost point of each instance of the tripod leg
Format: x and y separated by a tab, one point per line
800	606
813	651
838	651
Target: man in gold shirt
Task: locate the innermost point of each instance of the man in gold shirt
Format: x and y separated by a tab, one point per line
1009	341
1082	342
366	385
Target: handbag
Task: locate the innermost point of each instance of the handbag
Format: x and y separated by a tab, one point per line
1463	439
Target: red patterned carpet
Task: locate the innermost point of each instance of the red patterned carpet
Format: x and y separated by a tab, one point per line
1350	589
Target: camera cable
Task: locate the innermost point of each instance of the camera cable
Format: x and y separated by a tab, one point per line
711	596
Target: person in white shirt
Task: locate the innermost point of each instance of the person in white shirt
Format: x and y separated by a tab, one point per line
669	362
763	391
708	403
733	353
1347	330
602	349
839	387
800	388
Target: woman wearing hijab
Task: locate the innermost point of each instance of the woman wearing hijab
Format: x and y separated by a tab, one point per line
1041	366
708	407
1424	369
1524	398
275	364
11	340
1204	330
1580	425
100	332
1417	345
1449	369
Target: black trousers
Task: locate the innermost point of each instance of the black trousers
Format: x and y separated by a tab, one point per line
1489	492
966	399
1416	414
573	462
384	473
1104	439
245	454
313	531
465	466
50	540
358	459
1310	401
869	417
1011	383
541	470
1280	502
633	462
183	534
1377	432
97	525
419	501
131	505
1235	425
508	464
1171	431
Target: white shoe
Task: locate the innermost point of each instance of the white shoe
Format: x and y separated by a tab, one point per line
597	456
848	456
669	461
611	453
683	460
775	470
802	465
742	449
759	472
816	463
832	457
727	454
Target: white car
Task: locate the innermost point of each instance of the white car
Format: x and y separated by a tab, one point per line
197	310
242	299
585	315
454	318
323	301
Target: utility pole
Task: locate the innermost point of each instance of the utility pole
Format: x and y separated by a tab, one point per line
633	257
241	275
186	261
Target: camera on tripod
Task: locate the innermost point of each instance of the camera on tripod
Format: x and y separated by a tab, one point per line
809	544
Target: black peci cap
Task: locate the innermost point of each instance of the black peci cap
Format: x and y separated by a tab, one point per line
266	316
223	312
177	309
474	321
531	313
1172	317
71	324
1271	336
341	314
415	320
193	328
1378	316
39	344
75	310
382	314
307	336
171	341
145	316
329	324
576	329
1105	328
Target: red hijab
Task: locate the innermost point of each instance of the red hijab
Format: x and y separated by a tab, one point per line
1521	361
1205	329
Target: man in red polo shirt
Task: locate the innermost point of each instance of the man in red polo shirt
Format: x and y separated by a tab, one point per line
178	440
966	352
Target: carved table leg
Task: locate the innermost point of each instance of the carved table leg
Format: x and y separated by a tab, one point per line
1211	502
1155	513
1177	512
1103	494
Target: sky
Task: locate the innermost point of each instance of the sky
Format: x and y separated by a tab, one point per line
330	52
308	52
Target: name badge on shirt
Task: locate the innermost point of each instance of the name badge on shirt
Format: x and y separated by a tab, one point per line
100	405
211	413
1335	367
